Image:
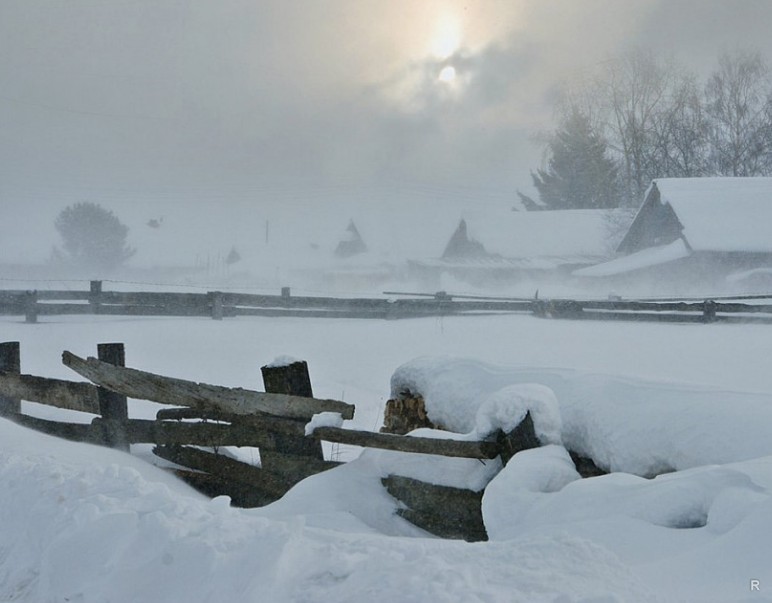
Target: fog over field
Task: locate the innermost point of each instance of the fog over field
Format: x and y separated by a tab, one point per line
237	123
215	167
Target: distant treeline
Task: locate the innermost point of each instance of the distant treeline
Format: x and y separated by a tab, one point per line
639	116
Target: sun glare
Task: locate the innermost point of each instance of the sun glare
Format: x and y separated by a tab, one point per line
447	74
447	37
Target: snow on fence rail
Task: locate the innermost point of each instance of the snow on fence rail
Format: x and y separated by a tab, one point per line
275	421
219	305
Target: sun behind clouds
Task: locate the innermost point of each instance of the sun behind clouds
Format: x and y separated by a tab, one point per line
447	37
447	74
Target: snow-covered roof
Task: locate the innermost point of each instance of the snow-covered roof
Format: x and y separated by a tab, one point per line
722	214
580	232
652	256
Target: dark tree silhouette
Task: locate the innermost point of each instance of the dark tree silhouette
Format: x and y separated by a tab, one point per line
93	237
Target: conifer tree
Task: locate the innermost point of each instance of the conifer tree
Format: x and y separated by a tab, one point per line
579	175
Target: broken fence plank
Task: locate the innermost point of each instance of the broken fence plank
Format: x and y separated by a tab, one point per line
270	484
181	414
277	425
79	432
178	392
144	431
70	395
297	468
243	495
440	510
387	441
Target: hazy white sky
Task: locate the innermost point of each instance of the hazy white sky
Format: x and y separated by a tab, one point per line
304	102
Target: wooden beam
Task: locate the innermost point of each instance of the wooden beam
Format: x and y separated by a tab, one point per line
181	414
276	425
144	431
387	441
440	510
71	395
295	467
178	392
270	484
79	432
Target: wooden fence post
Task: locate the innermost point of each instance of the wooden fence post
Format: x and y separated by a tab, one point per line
113	407
94	296
31	307
286	297
10	362
217	305
709	311
292	379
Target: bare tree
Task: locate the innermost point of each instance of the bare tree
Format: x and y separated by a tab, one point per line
738	104
647	109
681	144
636	92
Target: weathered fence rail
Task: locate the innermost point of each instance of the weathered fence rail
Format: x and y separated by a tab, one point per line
219	305
275	422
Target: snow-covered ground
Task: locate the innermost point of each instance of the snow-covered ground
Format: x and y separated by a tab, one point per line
81	523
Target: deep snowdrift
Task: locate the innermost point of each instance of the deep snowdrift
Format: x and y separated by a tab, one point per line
89	524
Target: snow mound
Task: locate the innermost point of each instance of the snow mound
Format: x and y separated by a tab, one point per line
82	523
506	408
468	397
626	424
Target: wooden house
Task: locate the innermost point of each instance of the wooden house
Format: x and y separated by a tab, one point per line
510	247
708	232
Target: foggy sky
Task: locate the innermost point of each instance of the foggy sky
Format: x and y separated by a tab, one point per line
308	102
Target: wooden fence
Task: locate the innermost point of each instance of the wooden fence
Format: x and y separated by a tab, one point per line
199	415
219	305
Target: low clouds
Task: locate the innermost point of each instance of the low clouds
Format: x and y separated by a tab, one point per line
278	101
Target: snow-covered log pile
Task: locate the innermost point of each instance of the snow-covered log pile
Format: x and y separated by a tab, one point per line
623	424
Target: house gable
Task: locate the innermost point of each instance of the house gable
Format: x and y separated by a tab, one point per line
461	246
655	225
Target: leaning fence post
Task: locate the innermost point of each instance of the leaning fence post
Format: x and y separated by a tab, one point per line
10	362
31	307
291	378
113	407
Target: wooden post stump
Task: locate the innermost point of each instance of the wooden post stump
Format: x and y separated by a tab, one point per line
113	407
10	362
291	379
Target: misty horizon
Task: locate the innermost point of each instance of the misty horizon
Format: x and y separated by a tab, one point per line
220	119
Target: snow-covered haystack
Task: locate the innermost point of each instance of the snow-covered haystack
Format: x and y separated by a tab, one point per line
623	424
452	402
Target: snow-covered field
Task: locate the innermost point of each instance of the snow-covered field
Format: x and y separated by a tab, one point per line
81	523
